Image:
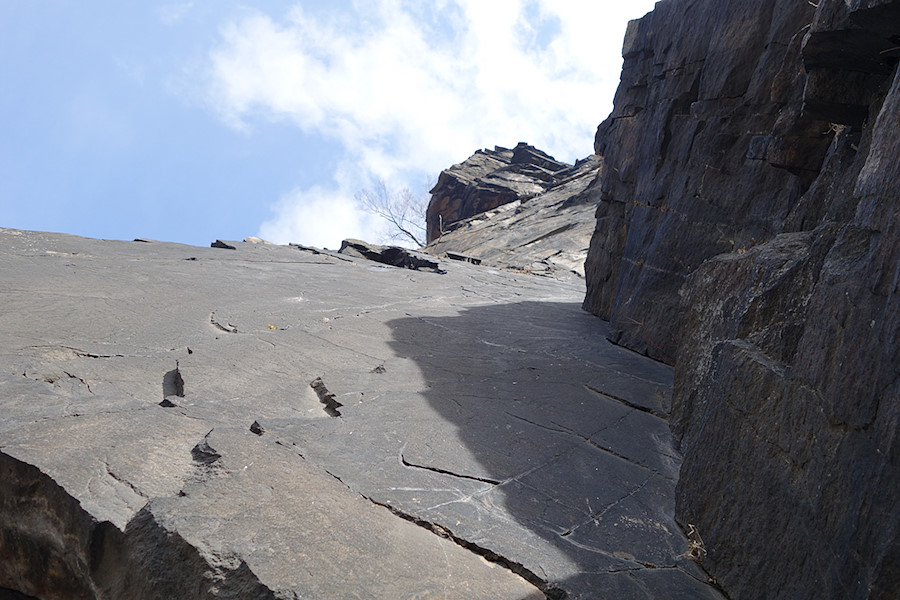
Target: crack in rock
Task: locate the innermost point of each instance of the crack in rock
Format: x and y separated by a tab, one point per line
125	482
550	591
564	431
587	439
646	409
83	382
408	464
83	353
331	405
317	251
595	518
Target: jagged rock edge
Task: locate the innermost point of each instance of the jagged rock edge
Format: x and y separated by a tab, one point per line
549	590
84	560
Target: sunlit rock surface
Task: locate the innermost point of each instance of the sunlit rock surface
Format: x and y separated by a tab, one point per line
488	179
547	234
259	421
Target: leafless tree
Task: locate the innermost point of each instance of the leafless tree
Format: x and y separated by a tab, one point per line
403	210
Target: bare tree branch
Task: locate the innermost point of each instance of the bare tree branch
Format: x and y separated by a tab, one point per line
403	210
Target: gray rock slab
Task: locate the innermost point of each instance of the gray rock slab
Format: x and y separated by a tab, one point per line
158	410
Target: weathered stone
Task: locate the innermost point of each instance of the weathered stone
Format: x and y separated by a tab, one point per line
488	179
490	442
788	377
708	105
767	129
548	234
394	256
463	257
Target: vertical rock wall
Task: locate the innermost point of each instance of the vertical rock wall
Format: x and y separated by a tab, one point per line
749	231
708	153
787	394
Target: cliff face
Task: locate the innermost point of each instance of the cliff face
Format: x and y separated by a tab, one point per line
787	393
766	132
547	234
708	153
488	179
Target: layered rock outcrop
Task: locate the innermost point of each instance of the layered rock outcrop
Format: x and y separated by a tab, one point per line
488	179
547	234
766	130
788	393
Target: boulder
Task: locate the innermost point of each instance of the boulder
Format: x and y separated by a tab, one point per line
394	256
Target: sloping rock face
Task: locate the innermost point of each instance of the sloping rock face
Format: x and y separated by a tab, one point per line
547	234
488	179
767	129
257	421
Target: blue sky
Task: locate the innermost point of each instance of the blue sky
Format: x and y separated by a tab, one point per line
189	121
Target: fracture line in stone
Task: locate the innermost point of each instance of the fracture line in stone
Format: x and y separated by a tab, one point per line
550	591
331	405
406	463
646	409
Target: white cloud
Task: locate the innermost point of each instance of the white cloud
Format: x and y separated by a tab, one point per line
408	88
318	217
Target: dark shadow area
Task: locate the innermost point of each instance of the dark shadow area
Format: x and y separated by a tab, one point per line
567	463
6	594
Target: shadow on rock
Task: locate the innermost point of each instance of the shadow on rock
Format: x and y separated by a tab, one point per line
560	461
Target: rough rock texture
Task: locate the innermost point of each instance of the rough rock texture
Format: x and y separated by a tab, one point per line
768	129
706	152
548	234
488	179
788	392
286	422
389	255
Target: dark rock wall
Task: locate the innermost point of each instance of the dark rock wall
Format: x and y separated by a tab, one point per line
707	153
787	394
767	133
